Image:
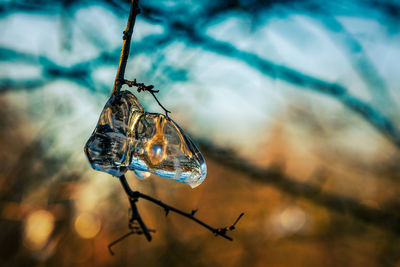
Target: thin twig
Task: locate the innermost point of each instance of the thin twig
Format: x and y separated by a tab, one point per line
135	217
134	197
134	230
119	240
120	78
148	88
126	47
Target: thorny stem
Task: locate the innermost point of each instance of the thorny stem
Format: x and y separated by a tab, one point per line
148	88
134	197
120	78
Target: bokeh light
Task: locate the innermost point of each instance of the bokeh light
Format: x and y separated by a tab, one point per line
292	219
38	228
87	225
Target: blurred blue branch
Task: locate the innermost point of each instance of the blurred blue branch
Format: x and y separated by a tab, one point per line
354	52
373	116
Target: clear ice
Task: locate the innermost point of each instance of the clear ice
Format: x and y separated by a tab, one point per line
127	137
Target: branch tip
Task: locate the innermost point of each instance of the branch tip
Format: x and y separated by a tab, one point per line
194	212
232	227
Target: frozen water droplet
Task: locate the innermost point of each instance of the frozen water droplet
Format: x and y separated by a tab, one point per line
127	137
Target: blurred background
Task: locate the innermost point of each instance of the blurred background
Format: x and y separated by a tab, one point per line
294	104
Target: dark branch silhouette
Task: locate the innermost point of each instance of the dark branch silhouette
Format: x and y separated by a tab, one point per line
134	197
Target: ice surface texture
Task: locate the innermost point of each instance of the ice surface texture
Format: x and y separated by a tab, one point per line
129	138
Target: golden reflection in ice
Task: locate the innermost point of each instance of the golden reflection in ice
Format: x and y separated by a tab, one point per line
38	227
87	225
157	146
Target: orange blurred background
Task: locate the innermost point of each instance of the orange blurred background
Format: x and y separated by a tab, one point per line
294	107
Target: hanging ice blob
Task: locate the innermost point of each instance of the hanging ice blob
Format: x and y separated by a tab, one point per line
128	138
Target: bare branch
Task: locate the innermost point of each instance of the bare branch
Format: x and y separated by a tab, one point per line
119	240
135	195
126	46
